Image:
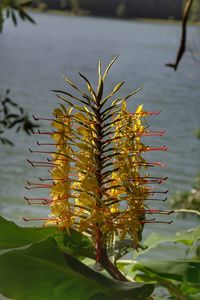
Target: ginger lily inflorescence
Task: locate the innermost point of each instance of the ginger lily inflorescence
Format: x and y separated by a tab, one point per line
99	180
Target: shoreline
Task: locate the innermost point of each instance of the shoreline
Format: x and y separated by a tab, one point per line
86	14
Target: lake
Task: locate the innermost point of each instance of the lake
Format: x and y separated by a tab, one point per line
33	60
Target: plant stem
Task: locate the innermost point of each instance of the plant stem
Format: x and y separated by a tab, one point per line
106	263
101	250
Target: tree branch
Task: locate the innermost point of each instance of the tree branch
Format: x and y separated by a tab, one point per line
182	46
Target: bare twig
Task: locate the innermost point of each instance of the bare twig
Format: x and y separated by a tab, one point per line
182	46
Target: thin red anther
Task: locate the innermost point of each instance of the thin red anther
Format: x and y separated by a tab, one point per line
36	199
40	132
170	212
43	166
164	148
51	152
162	222
39	219
61	159
36	203
49	144
60	117
148	113
56	179
154	221
149	179
153	199
66	158
41	151
149	164
153	112
158	192
163	179
159	164
39	163
157	211
39	118
34	187
45	179
30	162
147	221
151	133
141	199
39	184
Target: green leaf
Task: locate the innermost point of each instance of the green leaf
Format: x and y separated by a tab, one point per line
14	19
89	86
109	66
75	244
71	96
179	270
13	236
196	235
192	292
116	88
100	86
194	297
42	272
28	17
188	237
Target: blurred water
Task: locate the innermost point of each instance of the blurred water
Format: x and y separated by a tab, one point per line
34	58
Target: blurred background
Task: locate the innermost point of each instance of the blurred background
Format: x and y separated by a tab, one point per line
70	36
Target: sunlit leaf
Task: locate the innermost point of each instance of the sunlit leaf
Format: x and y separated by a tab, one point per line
188	237
13	236
184	270
42	272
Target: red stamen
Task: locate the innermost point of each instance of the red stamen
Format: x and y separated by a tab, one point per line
36	199
39	151
38	184
157	192
157	211
49	152
151	133
50	144
39	118
158	222
164	148
48	133
39	219
40	163
153	199
149	113
150	180
149	164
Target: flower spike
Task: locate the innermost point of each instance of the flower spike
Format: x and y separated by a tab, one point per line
99	184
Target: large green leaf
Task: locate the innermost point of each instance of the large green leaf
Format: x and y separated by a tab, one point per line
13	236
188	237
180	277
196	235
42	272
185	270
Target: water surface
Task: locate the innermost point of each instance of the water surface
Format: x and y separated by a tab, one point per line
33	60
